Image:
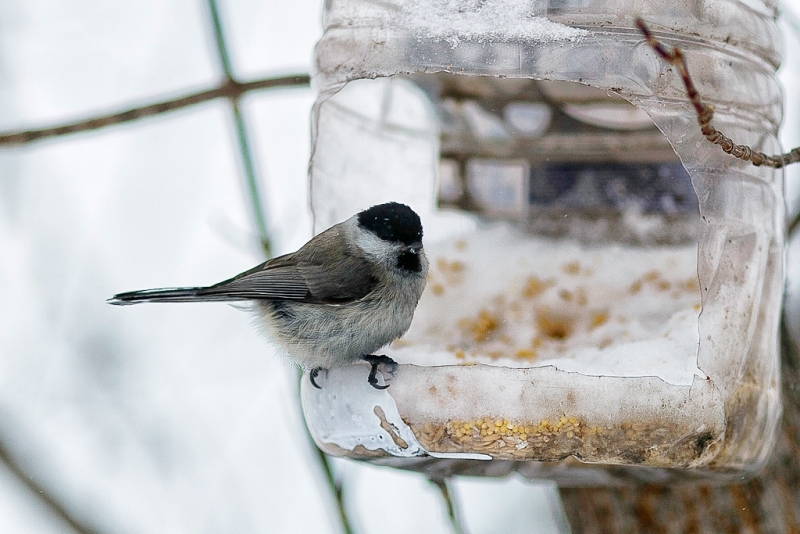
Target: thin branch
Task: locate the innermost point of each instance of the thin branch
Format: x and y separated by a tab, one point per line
705	112
226	89
41	493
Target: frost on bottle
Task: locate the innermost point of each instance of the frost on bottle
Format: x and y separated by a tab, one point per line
605	284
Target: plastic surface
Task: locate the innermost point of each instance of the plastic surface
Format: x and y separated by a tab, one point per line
379	133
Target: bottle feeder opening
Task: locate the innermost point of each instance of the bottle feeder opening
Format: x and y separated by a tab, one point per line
603	285
564	159
575	242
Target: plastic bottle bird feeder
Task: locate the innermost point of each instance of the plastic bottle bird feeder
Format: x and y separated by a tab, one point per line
605	284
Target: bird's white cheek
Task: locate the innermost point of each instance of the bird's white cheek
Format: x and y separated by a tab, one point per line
374	247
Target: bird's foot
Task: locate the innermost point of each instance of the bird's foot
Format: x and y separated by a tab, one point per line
312	376
375	361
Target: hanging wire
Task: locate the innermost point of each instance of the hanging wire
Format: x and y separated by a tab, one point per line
443	485
335	489
246	154
450	505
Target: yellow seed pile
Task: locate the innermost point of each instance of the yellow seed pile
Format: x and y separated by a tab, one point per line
656	443
502	438
489	430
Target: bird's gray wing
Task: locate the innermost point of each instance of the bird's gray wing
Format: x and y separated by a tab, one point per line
289	278
325	270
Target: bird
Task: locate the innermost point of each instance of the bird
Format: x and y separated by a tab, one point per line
345	294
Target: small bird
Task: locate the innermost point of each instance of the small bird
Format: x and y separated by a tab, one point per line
342	296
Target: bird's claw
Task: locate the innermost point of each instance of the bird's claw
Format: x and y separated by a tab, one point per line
374	361
312	376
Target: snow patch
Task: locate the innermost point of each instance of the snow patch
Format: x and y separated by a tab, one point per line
455	21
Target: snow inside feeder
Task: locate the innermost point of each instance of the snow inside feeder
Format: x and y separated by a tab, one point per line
604	283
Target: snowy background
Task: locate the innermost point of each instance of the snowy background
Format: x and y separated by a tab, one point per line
175	418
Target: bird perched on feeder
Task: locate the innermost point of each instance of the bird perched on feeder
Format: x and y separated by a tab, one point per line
342	296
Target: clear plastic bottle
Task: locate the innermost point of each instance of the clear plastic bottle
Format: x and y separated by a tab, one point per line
605	283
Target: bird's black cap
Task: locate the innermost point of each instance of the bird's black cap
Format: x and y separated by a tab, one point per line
392	222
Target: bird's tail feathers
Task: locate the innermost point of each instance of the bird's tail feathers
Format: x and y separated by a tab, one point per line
176	294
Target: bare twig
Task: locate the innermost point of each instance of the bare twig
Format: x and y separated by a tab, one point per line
226	89
705	112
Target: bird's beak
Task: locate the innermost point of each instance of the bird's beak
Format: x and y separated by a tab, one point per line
415	247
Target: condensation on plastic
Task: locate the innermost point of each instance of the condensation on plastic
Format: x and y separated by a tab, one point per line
378	139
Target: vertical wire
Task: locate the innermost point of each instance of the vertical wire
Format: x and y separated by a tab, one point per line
246	154
219	37
449	503
252	181
335	487
258	212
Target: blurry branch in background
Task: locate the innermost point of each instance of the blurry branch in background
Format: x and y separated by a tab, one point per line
705	112
53	504
231	89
